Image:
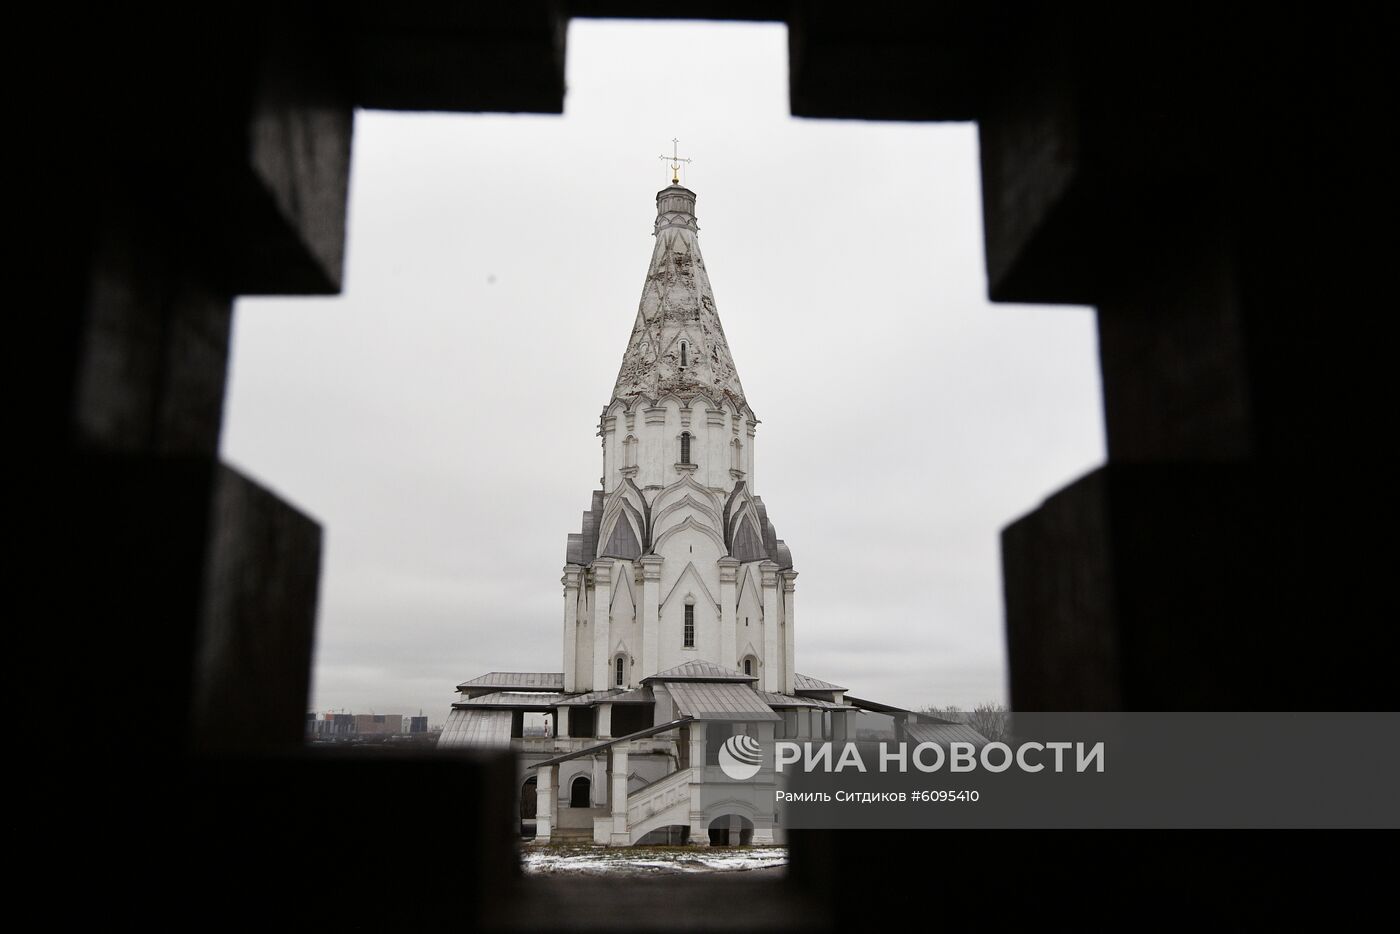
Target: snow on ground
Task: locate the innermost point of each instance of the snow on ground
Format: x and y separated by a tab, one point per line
650	860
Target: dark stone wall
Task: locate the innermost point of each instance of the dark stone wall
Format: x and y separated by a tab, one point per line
1210	178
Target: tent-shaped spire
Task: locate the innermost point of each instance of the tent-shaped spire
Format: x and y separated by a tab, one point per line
677	344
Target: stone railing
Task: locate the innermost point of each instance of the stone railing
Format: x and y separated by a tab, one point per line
661	794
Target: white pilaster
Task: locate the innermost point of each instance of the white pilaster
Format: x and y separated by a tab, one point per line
573	574
716	468
789	627
748	451
728	612
612	450
544	803
598	788
770	674
656	446
651	626
602	621
699	831
763	823
620	835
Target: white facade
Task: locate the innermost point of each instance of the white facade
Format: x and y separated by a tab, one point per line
677	559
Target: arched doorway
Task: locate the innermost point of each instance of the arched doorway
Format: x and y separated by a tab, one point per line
731	830
528	803
579	793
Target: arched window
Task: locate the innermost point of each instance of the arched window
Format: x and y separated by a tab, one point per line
685	447
617	675
629	452
748	665
690	625
685	354
579	793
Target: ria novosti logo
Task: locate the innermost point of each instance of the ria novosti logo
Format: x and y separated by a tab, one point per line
741	757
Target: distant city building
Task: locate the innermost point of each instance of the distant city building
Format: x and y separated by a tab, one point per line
378	724
345	727
331	727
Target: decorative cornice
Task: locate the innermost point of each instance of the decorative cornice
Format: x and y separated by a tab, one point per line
723	402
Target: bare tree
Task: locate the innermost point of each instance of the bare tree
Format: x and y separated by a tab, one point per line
990	719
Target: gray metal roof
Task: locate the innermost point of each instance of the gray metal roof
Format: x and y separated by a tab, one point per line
592	697
605	744
875	706
476	728
518	680
641	695
512	699
700	670
784	556
583	545
790	700
719	700
801	682
943	733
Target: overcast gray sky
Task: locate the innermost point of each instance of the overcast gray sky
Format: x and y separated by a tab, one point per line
438	417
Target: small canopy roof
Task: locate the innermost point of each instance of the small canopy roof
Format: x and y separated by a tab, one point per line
789	700
613	696
719	700
476	728
700	670
801	682
516	681
512	699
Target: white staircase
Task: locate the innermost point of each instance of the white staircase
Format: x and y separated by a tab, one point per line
663	802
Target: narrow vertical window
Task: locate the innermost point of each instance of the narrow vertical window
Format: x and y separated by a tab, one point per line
748	666
689	626
685	354
618	677
685	447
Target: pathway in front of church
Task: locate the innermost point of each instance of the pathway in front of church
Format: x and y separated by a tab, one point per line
652	860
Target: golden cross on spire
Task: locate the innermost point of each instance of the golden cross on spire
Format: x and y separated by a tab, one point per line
675	160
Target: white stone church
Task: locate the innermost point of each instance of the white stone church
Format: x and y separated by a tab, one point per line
679	604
